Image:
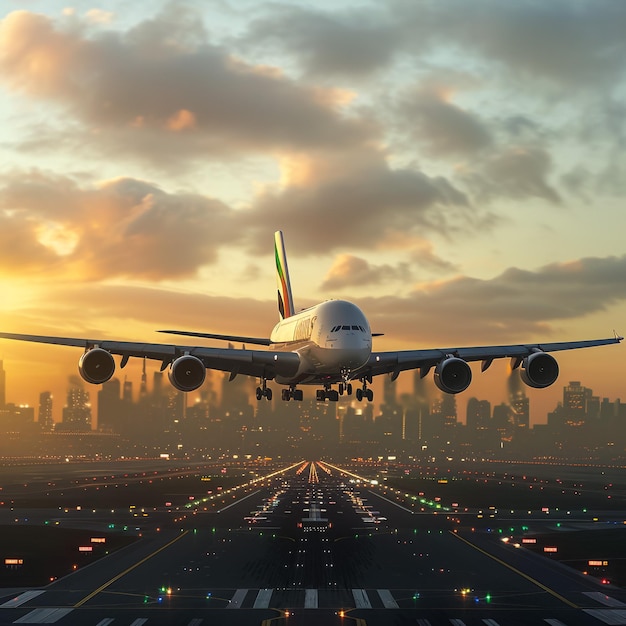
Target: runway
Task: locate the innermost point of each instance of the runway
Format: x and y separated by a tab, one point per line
311	545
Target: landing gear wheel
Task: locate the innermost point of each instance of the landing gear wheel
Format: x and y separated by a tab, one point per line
359	394
268	394
298	395
286	395
349	389
369	394
320	395
259	393
332	395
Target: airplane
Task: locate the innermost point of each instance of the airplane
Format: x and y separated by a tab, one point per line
328	345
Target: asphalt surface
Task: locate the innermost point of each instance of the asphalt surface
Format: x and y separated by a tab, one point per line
309	546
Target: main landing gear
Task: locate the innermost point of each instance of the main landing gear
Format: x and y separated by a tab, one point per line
293	394
327	394
366	393
346	388
264	391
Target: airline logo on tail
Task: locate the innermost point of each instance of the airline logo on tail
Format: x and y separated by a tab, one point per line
285	300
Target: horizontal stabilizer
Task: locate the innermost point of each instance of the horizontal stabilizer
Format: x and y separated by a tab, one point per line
260	341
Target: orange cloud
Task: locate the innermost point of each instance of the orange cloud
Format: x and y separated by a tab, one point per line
181	120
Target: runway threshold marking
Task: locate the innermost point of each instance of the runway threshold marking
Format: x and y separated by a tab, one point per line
43	616
558	596
613	617
602	598
23	598
361	599
310	599
127	570
236	601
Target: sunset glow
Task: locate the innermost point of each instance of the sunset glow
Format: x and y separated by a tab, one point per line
461	186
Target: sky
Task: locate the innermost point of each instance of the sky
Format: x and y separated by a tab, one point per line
457	169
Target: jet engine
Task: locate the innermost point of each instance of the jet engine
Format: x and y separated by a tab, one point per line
539	370
187	373
96	366
453	375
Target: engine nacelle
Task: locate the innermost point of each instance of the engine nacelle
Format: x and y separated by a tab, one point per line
187	373
539	370
453	375
96	366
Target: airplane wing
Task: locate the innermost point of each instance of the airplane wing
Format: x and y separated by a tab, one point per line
260	341
424	360
259	363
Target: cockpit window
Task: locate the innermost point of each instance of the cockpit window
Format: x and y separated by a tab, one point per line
345	328
355	328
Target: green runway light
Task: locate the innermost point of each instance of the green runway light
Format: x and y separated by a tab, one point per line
488	598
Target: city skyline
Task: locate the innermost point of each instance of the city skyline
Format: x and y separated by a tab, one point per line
151	151
221	391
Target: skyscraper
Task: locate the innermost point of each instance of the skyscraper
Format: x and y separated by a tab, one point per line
45	411
77	413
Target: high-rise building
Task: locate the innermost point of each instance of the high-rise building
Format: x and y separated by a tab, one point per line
77	413
46	421
478	414
575	399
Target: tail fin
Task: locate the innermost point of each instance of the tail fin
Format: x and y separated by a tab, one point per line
285	300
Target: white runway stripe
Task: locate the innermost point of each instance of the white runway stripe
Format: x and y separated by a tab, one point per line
360	599
263	598
23	598
613	617
387	598
43	616
310	599
602	598
237	599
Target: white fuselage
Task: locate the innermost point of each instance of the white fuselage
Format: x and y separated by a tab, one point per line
332	338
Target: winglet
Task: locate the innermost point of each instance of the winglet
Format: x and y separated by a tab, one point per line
285	300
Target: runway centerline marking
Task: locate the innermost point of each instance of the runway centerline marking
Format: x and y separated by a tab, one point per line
240	500
519	572
127	570
391	502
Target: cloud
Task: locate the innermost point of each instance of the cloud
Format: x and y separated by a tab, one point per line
513	306
348	199
575	44
122	227
440	125
351	42
515	172
143	90
351	271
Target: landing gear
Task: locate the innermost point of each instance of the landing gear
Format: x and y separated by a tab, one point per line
327	394
292	394
264	391
345	388
366	393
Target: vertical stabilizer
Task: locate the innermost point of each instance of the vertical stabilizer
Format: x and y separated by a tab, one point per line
285	300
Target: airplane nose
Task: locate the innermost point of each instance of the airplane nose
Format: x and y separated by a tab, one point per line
353	351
